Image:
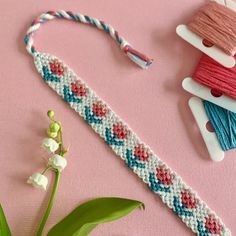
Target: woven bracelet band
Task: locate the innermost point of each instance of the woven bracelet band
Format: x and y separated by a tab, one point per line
161	180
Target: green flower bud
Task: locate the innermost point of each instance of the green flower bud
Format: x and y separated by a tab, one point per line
51	114
54	127
51	134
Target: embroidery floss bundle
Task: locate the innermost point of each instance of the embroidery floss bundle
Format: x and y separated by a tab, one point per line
224	124
217	86
217	24
116	133
220	79
212	30
220	92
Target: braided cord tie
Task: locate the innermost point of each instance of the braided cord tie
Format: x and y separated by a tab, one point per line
137	57
161	180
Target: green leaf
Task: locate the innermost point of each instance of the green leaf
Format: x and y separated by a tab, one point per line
4	228
83	219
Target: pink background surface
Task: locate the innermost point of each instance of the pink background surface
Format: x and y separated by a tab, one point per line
151	101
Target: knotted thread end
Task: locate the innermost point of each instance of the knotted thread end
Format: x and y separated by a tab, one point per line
140	59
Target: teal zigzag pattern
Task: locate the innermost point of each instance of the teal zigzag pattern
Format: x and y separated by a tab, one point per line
69	96
201	229
47	76
90	117
132	161
156	186
112	139
180	209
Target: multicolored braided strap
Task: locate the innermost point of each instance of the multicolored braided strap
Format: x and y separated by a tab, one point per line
124	142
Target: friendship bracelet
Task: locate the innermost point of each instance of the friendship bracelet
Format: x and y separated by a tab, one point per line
161	180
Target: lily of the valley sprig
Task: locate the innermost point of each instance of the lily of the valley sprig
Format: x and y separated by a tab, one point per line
57	162
54	145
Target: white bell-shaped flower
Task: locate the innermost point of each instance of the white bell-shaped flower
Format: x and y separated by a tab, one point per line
38	180
50	145
57	162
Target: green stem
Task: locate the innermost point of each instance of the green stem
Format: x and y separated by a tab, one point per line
61	147
46	169
50	204
54	190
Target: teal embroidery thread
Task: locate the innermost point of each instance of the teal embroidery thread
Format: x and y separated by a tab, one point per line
224	124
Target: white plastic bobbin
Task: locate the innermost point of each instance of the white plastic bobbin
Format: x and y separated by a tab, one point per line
215	151
206	93
213	52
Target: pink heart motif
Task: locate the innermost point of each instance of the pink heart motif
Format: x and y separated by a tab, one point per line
79	89
99	109
164	175
189	200
213	225
141	153
120	131
56	68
